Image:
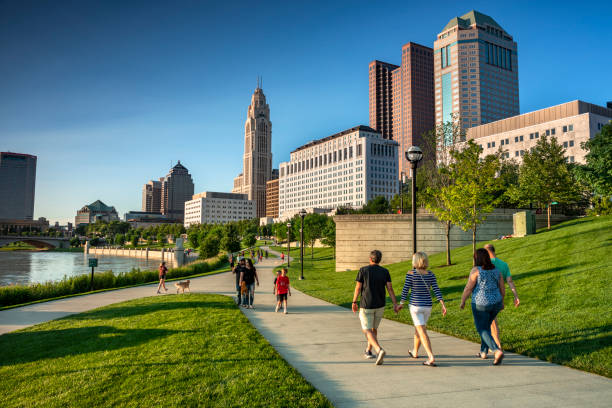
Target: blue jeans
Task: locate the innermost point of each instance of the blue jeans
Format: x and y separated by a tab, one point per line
247	299
483	317
238	295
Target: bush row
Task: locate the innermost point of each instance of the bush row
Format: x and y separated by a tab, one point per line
18	294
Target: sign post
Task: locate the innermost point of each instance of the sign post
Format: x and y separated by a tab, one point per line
93	262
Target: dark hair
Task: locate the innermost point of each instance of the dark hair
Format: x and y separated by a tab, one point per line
376	256
250	263
482	258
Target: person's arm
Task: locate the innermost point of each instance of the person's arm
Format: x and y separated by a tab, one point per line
354	306
502	288
256	277
406	289
469	287
513	289
438	294
288	287
241	278
392	294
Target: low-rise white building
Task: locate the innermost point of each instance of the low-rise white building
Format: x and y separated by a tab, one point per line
218	208
572	123
346	169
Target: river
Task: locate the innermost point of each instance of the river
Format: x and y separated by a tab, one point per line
24	267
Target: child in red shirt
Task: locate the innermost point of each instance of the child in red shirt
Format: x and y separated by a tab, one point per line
282	289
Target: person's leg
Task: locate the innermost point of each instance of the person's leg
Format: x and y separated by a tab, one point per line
285	305
495	332
366	316
417	344
251	293
163	281
483	317
421	330
372	340
238	295
159	286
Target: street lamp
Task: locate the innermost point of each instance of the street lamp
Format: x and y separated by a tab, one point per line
288	245
302	215
414	156
402	182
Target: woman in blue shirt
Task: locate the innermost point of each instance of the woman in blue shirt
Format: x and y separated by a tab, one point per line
418	282
487	288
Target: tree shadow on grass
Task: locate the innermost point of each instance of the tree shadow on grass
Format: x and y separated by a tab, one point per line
122	310
30	346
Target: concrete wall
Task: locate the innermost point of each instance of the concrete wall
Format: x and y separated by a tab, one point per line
357	235
142	253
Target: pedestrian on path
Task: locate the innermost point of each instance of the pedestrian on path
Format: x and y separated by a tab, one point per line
371	282
249	276
282	256
419	282
162	276
237	271
503	268
487	288
282	289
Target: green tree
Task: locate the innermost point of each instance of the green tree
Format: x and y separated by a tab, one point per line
471	196
230	241
209	247
544	176
314	224
75	242
194	238
378	205
329	234
119	239
440	145
249	240
161	238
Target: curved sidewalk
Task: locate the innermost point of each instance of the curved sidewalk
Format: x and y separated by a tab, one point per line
325	344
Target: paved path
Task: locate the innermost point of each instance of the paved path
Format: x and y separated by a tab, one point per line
324	342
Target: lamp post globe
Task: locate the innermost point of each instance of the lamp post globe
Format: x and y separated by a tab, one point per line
302	215
414	155
288	244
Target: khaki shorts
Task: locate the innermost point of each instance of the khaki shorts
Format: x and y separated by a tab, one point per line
370	318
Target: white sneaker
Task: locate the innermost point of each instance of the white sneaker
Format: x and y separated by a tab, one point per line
285	312
276	309
368	355
381	357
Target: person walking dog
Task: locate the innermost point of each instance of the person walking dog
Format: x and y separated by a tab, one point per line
371	283
163	270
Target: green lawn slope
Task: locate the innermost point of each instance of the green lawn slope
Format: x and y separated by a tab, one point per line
562	277
177	350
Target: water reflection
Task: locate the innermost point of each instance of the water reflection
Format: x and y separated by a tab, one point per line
22	268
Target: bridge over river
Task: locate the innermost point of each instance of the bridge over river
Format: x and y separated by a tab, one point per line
36	241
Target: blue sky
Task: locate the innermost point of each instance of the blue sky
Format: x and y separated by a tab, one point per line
108	94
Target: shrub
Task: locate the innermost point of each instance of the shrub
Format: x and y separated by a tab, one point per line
14	295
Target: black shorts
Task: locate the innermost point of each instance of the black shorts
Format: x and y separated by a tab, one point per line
282	297
162	277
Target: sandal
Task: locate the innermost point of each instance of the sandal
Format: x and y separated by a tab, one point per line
428	364
499	360
411	355
479	355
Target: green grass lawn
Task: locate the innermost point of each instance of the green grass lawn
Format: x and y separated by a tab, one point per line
174	350
563	281
18	246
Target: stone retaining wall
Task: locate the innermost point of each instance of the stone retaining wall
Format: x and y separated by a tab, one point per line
357	235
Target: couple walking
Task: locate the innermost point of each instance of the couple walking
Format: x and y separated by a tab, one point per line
246	276
485	284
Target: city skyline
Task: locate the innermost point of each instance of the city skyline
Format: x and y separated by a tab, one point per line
118	110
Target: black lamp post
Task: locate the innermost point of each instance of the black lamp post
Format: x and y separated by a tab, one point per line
288	244
302	215
402	182
414	156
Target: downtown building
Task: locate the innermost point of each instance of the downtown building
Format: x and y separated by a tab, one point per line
218	208
571	123
346	169
257	159
401	99
94	212
17	185
168	195
475	72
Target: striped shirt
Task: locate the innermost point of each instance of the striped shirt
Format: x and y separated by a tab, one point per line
419	288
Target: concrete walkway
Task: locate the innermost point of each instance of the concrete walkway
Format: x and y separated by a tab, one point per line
325	344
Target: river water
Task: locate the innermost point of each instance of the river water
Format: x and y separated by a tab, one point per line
22	268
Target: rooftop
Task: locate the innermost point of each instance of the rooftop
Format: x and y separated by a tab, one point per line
361	128
470	18
99	206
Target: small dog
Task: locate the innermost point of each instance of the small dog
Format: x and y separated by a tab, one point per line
181	286
243	289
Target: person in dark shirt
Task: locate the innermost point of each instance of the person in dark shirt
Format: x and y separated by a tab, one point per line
249	276
371	283
237	270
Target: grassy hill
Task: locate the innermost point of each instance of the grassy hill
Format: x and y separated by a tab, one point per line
563	281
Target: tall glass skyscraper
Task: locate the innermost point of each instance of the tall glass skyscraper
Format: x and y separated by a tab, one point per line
475	71
17	181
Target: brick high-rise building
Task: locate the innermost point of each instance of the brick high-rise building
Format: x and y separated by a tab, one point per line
381	97
257	162
402	98
151	196
272	198
475	71
17	182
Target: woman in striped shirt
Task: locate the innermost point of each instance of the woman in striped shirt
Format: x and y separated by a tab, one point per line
418	282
